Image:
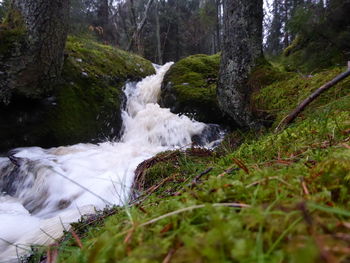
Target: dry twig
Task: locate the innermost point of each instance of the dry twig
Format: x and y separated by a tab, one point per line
295	113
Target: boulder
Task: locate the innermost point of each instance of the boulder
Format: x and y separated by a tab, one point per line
84	107
189	88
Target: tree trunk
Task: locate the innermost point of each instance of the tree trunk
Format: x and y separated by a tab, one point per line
218	25
33	60
159	48
242	52
103	13
136	38
103	18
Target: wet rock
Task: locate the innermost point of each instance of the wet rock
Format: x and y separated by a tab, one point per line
80	108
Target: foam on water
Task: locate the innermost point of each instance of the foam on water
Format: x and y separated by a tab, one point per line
44	190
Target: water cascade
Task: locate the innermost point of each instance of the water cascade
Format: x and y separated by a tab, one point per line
43	190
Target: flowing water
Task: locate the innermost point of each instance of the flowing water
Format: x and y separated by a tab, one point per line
43	190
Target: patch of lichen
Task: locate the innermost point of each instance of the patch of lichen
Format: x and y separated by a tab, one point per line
89	98
12	30
279	98
193	82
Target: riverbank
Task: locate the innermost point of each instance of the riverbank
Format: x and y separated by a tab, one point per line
269	197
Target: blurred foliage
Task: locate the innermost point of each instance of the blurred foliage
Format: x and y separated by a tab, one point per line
318	35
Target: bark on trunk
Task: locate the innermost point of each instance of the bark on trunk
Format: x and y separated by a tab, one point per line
242	52
136	38
218	25
34	61
103	14
159	48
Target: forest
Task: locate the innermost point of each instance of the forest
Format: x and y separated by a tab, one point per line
174	131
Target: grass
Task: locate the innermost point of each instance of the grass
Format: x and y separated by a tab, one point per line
296	184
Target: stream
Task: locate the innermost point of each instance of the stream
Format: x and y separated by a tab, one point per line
42	191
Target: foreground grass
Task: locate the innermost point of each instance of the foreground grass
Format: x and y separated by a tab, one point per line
275	198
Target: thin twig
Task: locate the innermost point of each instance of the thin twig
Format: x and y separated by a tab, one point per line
295	113
267	179
77	239
303	185
198	177
186	209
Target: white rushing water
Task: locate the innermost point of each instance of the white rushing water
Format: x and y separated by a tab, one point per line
44	190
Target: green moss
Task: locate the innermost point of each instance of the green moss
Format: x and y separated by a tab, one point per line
98	60
279	98
264	75
311	56
89	100
296	44
190	87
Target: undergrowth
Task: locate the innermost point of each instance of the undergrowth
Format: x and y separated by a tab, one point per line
276	197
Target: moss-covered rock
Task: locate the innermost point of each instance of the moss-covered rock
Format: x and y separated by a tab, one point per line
86	106
189	87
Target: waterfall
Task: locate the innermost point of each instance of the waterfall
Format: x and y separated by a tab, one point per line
42	191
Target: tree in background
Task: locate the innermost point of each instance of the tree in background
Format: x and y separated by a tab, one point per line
274	44
160	30
318	30
279	35
323	35
242	52
4	6
32	46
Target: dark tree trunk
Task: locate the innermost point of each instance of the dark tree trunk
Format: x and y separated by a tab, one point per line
159	48
218	25
242	52
103	14
33	61
136	38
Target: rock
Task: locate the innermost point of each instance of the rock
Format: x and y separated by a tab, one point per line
80	109
190	88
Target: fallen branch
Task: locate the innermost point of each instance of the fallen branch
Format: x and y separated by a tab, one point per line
294	114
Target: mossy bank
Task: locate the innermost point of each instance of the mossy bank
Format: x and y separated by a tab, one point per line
268	197
84	107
